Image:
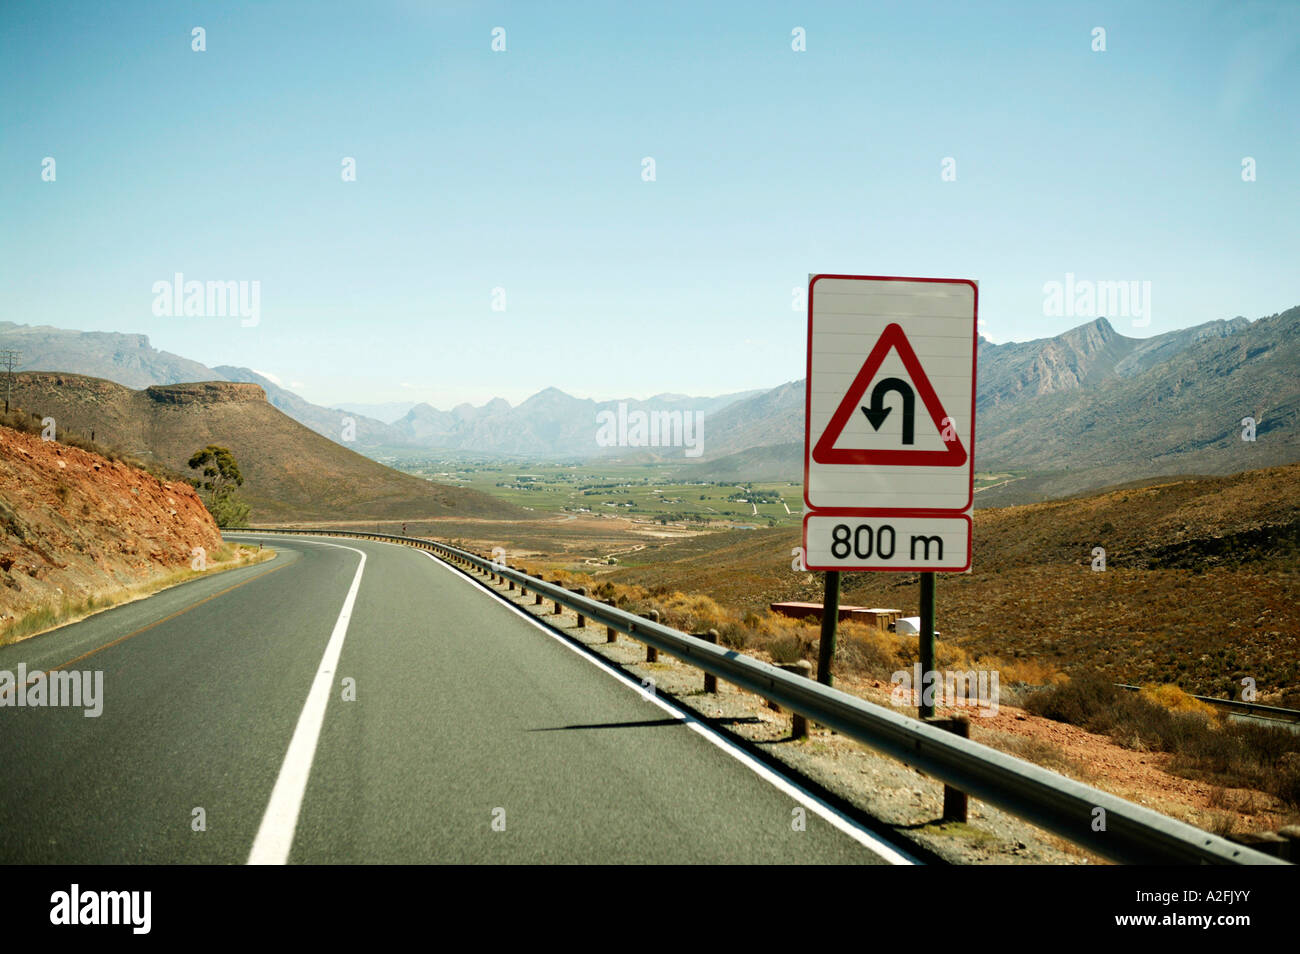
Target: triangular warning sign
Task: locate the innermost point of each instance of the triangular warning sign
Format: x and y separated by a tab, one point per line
825	452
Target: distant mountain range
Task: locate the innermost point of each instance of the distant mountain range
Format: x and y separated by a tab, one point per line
1091	407
1084	409
126	359
549	424
290	473
1067	413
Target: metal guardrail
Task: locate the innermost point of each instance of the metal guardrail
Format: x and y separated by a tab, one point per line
1106	824
1237	707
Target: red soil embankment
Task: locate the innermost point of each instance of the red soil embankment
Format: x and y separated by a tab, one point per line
75	526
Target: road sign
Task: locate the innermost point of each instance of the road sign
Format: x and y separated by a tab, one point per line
889	443
888	541
877	412
890	402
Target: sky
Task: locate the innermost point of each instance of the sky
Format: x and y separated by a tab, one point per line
503	232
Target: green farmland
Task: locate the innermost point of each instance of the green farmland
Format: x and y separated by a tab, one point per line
642	491
629	490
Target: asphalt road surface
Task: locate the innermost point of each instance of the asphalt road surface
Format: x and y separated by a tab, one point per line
359	702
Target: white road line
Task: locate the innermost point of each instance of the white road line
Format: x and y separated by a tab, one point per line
275	836
828	813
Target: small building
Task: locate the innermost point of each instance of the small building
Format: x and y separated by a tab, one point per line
874	616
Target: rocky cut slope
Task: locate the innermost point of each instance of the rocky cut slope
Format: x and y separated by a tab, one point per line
74	525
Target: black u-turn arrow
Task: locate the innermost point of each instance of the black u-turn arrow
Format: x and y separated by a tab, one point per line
877	413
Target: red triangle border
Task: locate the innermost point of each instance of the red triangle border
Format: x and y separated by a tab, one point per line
825	451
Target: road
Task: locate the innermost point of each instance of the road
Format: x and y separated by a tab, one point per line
474	735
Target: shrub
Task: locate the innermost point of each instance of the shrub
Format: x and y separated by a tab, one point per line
1234	754
786	649
228	510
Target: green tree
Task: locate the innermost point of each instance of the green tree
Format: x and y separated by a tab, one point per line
220	478
228	510
219	469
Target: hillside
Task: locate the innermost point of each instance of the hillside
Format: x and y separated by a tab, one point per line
1201	586
290	472
126	359
1085	409
771	418
549	424
1062	415
75	525
326	421
1181	415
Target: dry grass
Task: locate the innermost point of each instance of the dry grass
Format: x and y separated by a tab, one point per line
1200	587
71	609
860	649
1176	700
1204	745
1040	752
30	423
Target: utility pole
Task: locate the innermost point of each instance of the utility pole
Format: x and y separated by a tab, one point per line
10	358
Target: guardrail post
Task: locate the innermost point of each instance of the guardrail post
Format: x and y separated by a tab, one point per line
611	634
710	680
511	583
954	800
538	601
582	620
799	722
558	608
651	653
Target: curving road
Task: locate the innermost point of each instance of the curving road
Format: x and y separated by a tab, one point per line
474	735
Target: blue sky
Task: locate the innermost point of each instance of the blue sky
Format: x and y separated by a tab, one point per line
522	170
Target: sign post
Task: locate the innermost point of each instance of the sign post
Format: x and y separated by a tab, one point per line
925	637
889	436
830	617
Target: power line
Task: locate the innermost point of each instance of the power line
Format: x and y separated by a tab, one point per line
10	358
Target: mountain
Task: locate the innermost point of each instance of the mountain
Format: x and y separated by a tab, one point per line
291	473
548	424
1079	410
1084	409
1074	359
126	359
354	430
1180	415
551	423
768	418
386	413
768	462
1080	358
